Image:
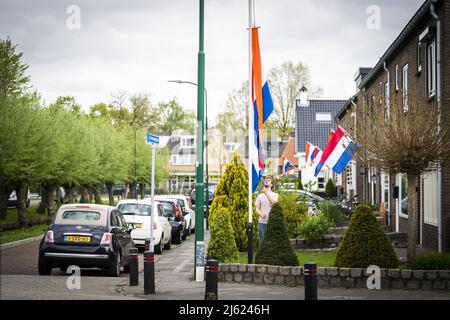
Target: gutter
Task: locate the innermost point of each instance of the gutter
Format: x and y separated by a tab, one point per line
438	97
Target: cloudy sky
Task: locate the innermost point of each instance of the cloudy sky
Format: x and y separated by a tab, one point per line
138	45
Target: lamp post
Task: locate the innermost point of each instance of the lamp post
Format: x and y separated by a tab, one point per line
206	148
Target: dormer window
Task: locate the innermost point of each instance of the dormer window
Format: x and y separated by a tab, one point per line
188	142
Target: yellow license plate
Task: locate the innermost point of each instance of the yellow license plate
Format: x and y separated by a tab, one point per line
138	225
77	239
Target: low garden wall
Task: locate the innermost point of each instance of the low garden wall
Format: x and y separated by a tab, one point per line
335	277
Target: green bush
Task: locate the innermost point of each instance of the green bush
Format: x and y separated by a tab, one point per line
330	189
298	184
232	194
365	243
222	245
431	261
331	211
295	213
276	248
315	227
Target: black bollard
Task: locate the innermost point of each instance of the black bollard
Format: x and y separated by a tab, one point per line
149	272
147	245
310	272
212	279
134	267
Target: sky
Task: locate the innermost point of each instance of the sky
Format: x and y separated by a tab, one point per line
99	48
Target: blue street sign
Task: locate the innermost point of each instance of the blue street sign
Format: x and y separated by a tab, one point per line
151	138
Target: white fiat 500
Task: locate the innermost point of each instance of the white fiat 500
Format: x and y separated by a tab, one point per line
138	213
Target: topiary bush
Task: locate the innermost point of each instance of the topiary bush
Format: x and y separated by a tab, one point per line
276	248
295	212
330	189
232	194
315	227
222	245
365	243
431	261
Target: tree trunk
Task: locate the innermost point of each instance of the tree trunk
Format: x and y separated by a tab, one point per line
50	202
91	194
127	190
44	197
142	190
412	217
84	198
110	186
132	191
96	191
5	191
68	197
21	193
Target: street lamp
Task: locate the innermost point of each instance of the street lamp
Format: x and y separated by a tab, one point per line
206	148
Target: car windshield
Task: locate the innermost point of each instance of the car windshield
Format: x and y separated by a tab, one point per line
168	208
137	209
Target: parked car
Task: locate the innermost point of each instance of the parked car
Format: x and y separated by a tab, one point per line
188	212
12	201
138	213
86	235
176	218
211	190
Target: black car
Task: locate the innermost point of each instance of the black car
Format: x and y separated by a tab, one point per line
211	190
86	235
176	219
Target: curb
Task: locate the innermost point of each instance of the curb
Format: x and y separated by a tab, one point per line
18	243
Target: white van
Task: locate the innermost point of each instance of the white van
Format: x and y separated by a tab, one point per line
138	213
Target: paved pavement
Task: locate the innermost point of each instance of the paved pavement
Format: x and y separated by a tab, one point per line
174	281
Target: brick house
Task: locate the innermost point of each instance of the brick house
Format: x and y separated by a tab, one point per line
416	64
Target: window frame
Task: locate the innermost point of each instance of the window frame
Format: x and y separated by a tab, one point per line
328	114
431	68
405	69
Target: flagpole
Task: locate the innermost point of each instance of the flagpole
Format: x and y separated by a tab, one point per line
250	137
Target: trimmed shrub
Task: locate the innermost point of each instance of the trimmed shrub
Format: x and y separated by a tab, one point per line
331	211
330	189
221	245
276	248
298	184
316	227
365	243
232	194
431	261
295	213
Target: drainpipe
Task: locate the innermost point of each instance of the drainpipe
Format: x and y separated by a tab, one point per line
388	100
438	97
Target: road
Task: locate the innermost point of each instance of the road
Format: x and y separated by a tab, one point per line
173	273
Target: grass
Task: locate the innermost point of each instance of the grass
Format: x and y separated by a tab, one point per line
19	234
323	259
12	215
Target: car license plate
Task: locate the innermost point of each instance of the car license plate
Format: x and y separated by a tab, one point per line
77	239
138	225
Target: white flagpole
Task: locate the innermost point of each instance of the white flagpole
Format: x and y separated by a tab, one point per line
250	137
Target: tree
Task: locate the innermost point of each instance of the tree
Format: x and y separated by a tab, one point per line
365	243
172	116
222	245
285	83
13	80
330	188
232	194
276	248
411	141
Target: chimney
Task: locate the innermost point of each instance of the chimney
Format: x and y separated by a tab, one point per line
360	74
303	101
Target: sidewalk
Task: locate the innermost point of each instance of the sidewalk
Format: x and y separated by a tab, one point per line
174	272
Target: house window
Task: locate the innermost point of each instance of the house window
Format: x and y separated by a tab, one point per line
323	117
396	78
430	191
182	159
188	142
405	88
419	57
431	68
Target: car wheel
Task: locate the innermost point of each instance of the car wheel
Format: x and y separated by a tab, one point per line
158	247
168	245
126	268
193	230
185	234
114	268
43	268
